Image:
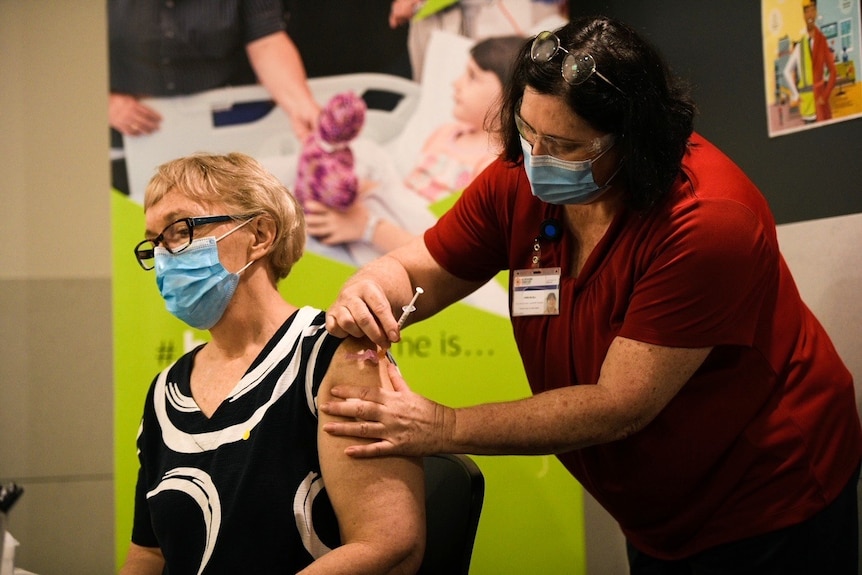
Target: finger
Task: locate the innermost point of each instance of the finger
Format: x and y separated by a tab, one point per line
351	408
305	126
398	382
356	312
360	393
314	217
146	127
337	409
315	225
376	315
347	409
147	123
340	323
358	429
149	113
329	240
137	125
369	326
144	119
333	327
390	332
377	449
358	322
313	206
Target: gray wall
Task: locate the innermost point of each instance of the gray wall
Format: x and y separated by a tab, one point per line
55	287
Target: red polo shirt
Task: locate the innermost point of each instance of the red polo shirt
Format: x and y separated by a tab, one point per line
765	433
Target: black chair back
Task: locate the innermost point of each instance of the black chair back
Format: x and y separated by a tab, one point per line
454	492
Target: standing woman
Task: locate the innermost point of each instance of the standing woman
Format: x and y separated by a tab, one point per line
234	475
684	383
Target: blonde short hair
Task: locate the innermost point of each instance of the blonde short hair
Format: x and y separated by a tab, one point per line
245	188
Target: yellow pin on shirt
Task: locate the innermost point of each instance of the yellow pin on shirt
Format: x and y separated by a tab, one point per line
247	434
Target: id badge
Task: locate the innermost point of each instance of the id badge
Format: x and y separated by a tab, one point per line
536	292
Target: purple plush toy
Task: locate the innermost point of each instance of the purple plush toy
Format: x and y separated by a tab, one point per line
326	166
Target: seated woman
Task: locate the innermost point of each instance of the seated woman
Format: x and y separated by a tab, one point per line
235	476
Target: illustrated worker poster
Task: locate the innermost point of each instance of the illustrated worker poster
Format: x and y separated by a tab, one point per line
811	54
532	520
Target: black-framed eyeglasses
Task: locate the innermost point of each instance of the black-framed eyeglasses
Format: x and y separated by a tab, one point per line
576	68
175	238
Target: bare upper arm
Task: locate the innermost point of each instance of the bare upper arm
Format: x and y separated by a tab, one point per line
378	501
274	40
275	56
642	378
143	561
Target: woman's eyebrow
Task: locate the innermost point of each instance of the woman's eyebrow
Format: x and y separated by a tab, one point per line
551	137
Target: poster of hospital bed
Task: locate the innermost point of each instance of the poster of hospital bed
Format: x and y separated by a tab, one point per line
401	115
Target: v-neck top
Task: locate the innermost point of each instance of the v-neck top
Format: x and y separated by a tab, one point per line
241	491
765	432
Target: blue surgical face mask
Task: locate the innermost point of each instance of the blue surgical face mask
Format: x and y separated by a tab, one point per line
195	285
557	181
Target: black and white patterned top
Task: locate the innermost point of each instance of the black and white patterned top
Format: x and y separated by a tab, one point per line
240	492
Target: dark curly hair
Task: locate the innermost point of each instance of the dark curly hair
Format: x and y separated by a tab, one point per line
652	118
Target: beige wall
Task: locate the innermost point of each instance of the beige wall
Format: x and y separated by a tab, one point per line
55	287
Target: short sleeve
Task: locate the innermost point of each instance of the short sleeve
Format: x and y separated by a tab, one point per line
470	241
262	18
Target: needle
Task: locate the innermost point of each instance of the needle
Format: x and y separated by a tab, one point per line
409	308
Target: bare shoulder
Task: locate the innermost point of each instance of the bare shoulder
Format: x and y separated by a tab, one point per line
357	362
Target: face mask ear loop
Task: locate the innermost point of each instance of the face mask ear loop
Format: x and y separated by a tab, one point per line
614	175
229	232
245	267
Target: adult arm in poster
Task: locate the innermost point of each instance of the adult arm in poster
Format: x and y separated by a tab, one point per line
279	67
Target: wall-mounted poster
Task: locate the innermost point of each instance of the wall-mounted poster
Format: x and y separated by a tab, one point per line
421	140
811	54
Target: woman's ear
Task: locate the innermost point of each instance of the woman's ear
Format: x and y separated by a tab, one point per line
264	230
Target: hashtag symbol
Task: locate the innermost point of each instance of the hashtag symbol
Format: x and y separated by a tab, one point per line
165	352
